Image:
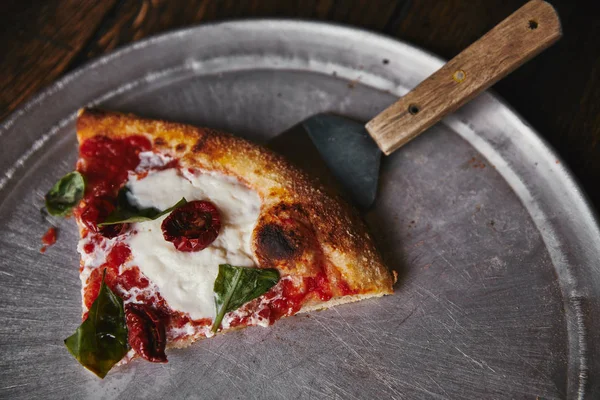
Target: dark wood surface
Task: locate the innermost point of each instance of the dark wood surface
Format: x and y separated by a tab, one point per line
558	92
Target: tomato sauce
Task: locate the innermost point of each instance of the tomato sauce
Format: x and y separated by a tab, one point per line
345	289
105	163
285	299
48	239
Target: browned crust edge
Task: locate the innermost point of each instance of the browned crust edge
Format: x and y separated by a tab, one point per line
286	192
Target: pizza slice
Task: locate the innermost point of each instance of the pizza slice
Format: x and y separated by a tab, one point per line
187	232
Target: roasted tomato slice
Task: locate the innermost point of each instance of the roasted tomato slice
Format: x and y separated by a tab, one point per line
147	334
192	227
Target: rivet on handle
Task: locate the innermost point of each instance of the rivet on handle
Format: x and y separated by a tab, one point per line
459	76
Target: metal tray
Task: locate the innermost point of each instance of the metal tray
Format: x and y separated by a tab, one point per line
496	246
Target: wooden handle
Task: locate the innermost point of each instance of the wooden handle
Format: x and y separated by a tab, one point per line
514	41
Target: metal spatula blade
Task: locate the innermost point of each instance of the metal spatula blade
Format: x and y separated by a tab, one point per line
349	152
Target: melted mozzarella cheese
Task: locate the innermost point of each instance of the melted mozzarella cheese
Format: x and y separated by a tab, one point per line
185	279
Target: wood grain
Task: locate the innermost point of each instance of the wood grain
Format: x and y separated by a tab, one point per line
39	42
511	43
558	92
137	19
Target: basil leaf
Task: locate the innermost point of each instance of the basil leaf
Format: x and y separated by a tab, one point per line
101	340
235	286
128	213
65	194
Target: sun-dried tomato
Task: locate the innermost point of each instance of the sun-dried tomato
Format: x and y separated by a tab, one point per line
147	334
192	227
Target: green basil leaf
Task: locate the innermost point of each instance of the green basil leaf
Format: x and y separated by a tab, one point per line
65	194
128	213
101	340
235	286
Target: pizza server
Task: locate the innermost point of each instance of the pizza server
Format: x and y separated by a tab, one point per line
352	151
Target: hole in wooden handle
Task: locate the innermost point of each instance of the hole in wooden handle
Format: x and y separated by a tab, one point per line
413	109
533	24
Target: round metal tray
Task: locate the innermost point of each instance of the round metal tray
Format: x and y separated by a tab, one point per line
497	249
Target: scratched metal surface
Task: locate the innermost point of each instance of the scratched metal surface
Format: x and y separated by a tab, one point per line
496	248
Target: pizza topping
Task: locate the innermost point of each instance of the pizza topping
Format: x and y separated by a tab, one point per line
284	299
193	226
65	194
185	280
101	340
146	332
106	163
125	212
236	286
94	210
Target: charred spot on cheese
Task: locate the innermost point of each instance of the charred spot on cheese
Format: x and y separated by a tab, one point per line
180	147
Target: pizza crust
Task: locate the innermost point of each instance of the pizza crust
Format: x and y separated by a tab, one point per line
298	222
180	344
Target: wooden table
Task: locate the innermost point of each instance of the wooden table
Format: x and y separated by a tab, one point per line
558	92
